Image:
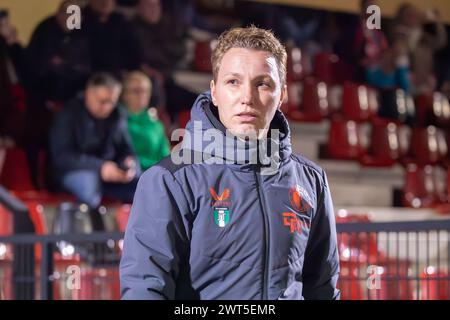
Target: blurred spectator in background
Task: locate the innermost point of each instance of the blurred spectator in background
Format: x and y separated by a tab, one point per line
59	63
424	34
147	132
12	45
112	45
161	39
12	95
90	146
59	58
392	70
161	45
369	44
297	24
212	17
362	47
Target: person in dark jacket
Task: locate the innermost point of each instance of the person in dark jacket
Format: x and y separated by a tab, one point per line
90	146
234	214
161	46
59	58
112	45
58	65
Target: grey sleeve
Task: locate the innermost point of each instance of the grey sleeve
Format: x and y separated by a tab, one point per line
321	266
156	240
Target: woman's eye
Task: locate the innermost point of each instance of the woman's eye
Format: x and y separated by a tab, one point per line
264	85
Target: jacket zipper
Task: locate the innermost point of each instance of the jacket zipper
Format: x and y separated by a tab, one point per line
266	238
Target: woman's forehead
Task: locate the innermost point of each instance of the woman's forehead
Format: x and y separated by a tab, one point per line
239	61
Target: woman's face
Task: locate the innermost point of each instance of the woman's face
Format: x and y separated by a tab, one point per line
247	91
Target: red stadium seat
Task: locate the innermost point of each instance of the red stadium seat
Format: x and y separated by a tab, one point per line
434	284
351	281
432	110
6	255
357	247
324	66
6	227
313	106
202	55
295	67
335	98
294	98
98	284
373	100
384	147
122	216
441	109
6	251
16	177
183	118
419	189
396	105
424	110
344	141
393	282
429	147
448	183
15	174
355	102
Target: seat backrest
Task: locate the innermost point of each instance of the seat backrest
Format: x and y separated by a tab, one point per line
15	174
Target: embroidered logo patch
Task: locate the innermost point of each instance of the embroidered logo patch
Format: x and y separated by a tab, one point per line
221	216
221	207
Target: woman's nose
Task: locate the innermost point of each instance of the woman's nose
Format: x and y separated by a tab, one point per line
247	94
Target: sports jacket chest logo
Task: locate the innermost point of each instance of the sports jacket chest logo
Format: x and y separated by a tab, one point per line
301	202
300	199
221	207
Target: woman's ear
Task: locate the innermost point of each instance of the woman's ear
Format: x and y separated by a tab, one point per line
212	87
283	96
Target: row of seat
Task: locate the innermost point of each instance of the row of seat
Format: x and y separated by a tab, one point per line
382	143
312	100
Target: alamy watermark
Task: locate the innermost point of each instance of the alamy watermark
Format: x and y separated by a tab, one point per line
212	146
373	281
73	281
74	19
374	20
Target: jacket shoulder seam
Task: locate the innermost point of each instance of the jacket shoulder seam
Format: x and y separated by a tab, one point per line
316	168
176	180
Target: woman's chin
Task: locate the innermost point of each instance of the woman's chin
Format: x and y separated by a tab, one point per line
247	131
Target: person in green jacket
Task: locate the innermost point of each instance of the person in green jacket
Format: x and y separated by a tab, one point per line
147	132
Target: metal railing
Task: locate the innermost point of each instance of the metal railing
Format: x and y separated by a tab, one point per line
69	263
22	224
395	260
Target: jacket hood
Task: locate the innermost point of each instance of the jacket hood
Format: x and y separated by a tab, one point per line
207	136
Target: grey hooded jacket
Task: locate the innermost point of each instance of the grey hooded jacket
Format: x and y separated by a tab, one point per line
225	227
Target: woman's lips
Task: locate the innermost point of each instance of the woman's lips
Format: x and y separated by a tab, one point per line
246	116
